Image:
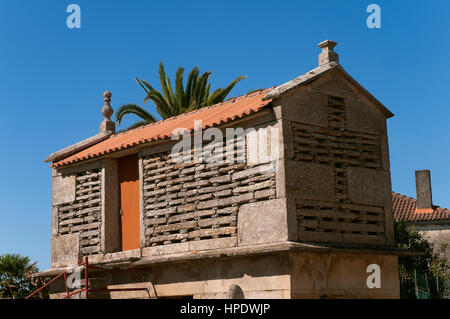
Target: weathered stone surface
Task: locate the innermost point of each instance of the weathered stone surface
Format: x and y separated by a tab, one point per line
115	257
188	216
306	106
310	180
338	275
167	238
186	208
55	223
265	193
90	249
262	222
155	221
228	211
65	250
165	249
334	84
198	201
63	189
367	186
72	149
423	190
208	204
282	274
300	81
210	244
220	179
162	212
254	187
227	220
328	55
361	116
209	232
110	208
177	226
87	226
83	214
344	189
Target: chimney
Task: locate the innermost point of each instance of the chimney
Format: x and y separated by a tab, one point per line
327	55
423	192
107	126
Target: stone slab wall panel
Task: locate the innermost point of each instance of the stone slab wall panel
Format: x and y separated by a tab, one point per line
82	216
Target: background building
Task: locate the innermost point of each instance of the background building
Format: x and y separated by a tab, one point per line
421	215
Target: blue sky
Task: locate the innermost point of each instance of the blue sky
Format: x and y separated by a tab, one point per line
52	78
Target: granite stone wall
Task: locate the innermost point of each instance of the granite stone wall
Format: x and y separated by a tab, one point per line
82	215
337	170
194	201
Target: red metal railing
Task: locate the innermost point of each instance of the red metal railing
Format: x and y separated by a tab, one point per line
86	289
64	273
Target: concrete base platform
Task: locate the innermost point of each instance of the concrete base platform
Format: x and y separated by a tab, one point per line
283	270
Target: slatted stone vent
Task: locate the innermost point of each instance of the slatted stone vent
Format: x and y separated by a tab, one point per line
338	220
83	215
194	201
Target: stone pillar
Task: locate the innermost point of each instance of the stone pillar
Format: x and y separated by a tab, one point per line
111	240
107	126
423	190
328	55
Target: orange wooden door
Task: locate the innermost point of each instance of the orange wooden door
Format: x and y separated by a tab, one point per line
129	201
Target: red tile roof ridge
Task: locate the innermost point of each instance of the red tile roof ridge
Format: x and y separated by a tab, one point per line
407	197
405	208
415	200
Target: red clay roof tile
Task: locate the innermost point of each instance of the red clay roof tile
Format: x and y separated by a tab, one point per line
214	115
405	210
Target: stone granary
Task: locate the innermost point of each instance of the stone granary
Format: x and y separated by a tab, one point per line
309	219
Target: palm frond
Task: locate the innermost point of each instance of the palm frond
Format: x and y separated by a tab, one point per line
179	89
200	89
219	95
160	104
140	83
133	109
174	108
164	86
149	87
196	94
192	79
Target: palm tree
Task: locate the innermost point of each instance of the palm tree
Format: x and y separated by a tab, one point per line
170	103
15	272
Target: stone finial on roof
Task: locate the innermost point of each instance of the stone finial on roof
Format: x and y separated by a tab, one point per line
107	125
327	55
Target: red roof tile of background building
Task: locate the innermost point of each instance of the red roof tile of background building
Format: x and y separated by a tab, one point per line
214	115
405	210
